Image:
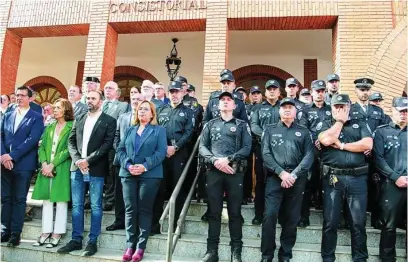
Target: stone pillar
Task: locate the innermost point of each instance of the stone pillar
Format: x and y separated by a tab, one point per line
101	47
216	46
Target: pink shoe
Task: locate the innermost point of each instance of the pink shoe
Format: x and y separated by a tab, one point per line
128	255
138	255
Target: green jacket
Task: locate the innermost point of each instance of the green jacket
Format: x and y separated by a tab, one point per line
61	184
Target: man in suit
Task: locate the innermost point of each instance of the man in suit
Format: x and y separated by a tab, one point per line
74	96
160	93
114	108
124	121
21	131
89	143
33	105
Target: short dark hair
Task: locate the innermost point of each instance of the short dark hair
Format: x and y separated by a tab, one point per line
29	91
79	88
99	92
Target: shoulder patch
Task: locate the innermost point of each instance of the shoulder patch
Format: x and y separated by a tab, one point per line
299	115
298	134
355	126
319	126
248	129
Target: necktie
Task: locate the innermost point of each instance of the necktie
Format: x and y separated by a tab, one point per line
105	107
365	109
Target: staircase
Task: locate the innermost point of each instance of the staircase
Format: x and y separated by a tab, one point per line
192	244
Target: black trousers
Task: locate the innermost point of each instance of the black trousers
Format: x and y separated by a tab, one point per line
172	169
218	183
354	190
373	191
392	202
110	180
119	203
286	204
260	183
312	188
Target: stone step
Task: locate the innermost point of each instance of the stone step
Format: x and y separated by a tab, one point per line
196	209
311	234
194	246
26	252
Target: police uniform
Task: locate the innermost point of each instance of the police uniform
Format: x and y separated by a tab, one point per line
312	116
390	154
374	116
89	79
378	97
328	96
179	124
250	106
344	178
220	139
212	110
298	104
287	149
262	115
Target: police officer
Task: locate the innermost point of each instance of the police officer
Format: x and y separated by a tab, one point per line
243	93
292	88
287	151
91	84
227	81
179	123
263	114
345	172
305	96
374	116
376	99
188	100
317	112
225	144
333	82
390	153
255	96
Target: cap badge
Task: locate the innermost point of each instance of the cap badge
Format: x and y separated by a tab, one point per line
339	98
333	75
405	101
233	129
364	81
174	83
321	83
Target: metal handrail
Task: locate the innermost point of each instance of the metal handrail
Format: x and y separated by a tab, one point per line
171	205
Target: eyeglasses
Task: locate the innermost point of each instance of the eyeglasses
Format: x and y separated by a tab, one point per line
21	95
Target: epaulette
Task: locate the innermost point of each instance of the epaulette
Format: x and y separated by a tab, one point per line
382	126
271	125
238	95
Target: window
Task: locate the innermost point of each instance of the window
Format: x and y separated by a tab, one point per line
125	83
46	93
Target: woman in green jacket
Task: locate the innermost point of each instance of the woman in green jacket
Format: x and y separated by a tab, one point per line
53	181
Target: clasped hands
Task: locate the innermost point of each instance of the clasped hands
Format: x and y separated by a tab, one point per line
46	169
287	179
7	161
136	170
222	164
83	165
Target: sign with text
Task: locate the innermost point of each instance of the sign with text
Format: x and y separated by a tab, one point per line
157	5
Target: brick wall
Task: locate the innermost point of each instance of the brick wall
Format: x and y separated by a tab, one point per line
9	62
80	73
309	71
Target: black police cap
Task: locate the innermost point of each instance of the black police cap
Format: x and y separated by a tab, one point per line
292	81
255	89
181	79
240	88
287	100
364	83
272	83
175	85
332	77
227	77
92	79
375	96
225	72
304	91
190	87
340	99
400	103
226	93
318	85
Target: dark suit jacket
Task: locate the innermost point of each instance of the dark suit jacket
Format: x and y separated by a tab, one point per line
99	144
22	144
36	107
79	109
153	149
122	125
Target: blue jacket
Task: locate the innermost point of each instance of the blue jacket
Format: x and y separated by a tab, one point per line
22	144
152	151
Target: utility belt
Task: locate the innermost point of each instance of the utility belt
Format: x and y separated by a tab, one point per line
358	171
239	166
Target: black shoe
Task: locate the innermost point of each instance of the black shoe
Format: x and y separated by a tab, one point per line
377	224
87	206
249	200
304	223
205	217
107	207
257	220
244	202
155	230
5	237
266	260
211	256
70	246
285	260
236	255
14	240
115	226
90	250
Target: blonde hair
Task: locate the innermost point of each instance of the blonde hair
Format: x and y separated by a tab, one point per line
153	121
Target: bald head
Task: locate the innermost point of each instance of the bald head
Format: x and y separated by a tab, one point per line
111	90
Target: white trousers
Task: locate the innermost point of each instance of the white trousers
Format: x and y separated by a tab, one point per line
61	216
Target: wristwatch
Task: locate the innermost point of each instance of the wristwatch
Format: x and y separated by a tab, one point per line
229	158
176	148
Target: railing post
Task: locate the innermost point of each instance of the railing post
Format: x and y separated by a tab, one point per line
169	250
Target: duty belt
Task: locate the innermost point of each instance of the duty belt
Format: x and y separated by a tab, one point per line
358	171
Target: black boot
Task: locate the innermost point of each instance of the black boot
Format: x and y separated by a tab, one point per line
211	256
236	254
14	240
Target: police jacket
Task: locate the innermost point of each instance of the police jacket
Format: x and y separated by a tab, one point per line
262	115
390	150
179	123
374	116
312	115
287	148
221	138
212	111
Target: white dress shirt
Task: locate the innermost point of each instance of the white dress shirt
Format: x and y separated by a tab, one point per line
20	114
88	128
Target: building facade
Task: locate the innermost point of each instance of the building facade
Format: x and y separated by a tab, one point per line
52	44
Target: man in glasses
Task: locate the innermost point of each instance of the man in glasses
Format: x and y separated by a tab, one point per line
147	90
